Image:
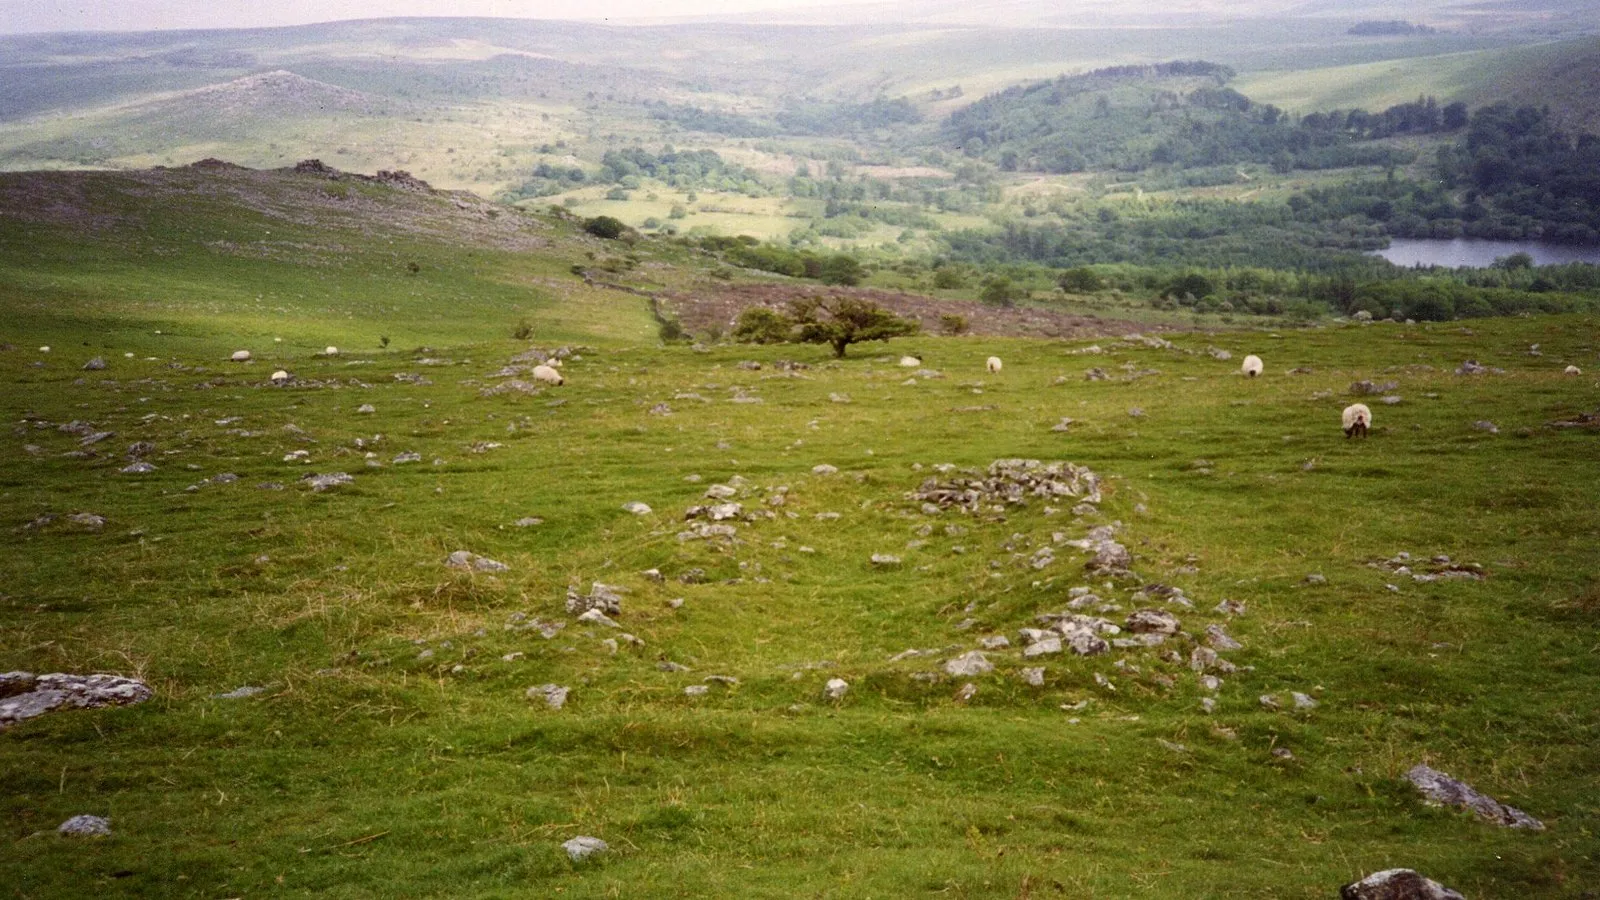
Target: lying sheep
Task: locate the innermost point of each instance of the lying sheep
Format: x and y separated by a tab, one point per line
280	377
910	361
547	375
1572	370
1252	365
330	350
1357	419
240	356
993	365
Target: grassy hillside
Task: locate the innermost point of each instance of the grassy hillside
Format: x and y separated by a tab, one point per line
1555	74
394	751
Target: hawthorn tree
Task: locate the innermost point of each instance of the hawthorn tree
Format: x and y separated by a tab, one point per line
842	321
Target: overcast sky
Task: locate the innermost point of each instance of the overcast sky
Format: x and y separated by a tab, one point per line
144	15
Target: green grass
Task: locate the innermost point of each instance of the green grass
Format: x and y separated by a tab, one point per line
365	770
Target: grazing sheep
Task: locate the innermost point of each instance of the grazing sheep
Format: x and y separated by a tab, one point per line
280	376
330	351
1357	419
910	362
1572	370
240	356
45	349
547	375
993	365
1252	365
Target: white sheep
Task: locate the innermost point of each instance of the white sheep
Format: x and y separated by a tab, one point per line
547	375
45	349
910	362
993	365
1357	419
240	356
1572	370
330	350
1252	365
280	376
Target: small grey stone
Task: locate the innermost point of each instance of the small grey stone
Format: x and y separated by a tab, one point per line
1303	701
410	456
967	692
836	688
1282	753
1316	578
1208	704
95	365
824	469
1270	701
366	408
1486	425
1042	647
637	508
885	559
696	690
582	847
1033	676
85	826
239	693
528	521
138	468
995	642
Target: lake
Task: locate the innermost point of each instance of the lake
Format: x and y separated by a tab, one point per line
1481	253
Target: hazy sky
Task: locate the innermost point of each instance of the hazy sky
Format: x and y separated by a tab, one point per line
142	15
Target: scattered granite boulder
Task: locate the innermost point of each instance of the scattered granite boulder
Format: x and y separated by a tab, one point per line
583	846
554	695
968	665
464	559
603	597
1397	884
1033	676
1219	639
835	689
94	365
1441	789
320	483
637	508
85	826
24	695
824	469
1152	621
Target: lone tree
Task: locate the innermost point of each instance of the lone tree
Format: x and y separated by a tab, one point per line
842	321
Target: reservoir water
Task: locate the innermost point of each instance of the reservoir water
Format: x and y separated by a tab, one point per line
1481	253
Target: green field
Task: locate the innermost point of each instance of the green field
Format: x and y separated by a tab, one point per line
394	752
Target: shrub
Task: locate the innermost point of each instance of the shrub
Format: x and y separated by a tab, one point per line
950	323
998	291
760	325
607	227
523	331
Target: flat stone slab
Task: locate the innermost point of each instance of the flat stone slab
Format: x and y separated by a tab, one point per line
26	695
1441	789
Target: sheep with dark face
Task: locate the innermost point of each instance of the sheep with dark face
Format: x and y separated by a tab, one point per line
1357	419
1252	366
547	375
993	365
